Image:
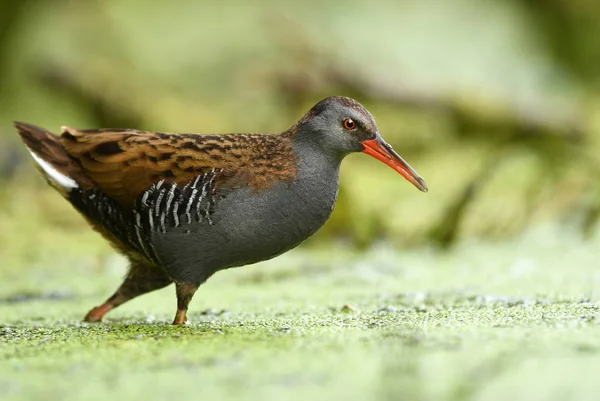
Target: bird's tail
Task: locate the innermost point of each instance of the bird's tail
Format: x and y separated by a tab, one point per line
60	170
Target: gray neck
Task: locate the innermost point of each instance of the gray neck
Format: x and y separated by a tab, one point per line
315	160
318	171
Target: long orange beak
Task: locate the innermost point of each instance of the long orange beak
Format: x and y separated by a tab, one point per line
380	150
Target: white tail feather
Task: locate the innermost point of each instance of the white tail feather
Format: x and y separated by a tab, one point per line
53	174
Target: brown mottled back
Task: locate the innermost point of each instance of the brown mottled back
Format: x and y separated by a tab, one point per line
124	163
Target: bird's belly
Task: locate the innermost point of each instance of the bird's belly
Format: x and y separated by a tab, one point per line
246	227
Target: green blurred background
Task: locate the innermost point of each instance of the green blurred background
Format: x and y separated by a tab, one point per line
494	103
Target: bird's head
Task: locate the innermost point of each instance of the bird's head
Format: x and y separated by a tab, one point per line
341	124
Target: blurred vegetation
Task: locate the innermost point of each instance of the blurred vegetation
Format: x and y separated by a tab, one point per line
494	103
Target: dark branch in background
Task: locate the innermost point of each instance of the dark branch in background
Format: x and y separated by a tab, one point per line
105	113
445	232
314	74
469	120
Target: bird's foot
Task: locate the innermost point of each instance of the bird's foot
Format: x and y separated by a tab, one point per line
97	313
180	317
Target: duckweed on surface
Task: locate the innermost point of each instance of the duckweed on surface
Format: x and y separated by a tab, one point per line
484	321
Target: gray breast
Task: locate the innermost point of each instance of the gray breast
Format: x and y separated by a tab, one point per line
247	226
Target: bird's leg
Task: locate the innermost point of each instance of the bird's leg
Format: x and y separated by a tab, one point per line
141	279
185	292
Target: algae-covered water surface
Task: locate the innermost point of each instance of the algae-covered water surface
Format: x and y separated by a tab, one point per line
518	319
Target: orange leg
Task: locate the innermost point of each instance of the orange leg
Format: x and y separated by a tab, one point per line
185	292
180	317
97	313
141	279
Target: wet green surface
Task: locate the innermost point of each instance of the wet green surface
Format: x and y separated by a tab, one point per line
485	321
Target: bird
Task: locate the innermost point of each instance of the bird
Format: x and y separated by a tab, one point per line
182	207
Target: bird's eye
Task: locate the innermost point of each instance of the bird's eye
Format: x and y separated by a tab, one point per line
349	124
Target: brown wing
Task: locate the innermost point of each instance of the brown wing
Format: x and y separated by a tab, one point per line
124	163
